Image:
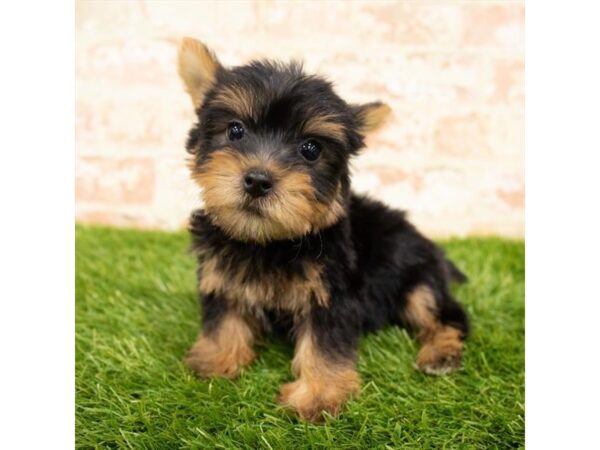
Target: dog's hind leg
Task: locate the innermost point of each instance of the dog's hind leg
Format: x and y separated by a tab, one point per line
441	326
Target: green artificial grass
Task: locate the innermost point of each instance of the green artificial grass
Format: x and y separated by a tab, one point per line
137	314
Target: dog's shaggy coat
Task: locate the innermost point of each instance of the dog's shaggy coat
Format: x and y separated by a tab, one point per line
304	256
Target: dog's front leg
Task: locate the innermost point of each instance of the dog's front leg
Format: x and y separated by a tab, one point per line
225	344
325	367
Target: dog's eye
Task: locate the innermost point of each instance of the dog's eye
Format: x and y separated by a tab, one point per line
235	131
310	150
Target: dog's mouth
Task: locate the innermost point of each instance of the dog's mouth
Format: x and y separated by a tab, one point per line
252	207
265	220
286	210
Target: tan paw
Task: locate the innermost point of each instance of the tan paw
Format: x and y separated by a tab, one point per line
310	400
442	354
207	359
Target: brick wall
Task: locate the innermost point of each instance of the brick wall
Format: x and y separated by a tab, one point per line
453	73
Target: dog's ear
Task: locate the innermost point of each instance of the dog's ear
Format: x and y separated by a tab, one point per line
371	116
197	67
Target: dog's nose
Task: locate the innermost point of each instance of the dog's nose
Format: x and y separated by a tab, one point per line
258	183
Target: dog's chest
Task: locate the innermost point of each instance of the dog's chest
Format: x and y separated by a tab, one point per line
251	283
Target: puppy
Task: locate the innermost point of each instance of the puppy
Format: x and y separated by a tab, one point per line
284	245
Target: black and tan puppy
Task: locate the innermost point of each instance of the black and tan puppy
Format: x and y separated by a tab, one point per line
284	245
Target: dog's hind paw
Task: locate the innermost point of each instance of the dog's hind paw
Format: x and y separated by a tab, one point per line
442	354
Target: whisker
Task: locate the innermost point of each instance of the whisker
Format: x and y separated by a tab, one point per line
298	252
321	241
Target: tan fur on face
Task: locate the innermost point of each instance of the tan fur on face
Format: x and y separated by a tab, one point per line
322	384
197	67
442	347
237	100
224	351
325	126
293	293
290	211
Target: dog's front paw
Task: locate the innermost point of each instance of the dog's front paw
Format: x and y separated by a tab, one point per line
311	400
308	404
442	354
207	359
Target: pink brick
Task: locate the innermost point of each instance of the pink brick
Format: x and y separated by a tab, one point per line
317	25
464	135
499	24
513	198
143	122
126	62
509	80
437	78
414	23
389	176
115	181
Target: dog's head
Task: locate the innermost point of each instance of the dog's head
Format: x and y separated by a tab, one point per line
271	146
